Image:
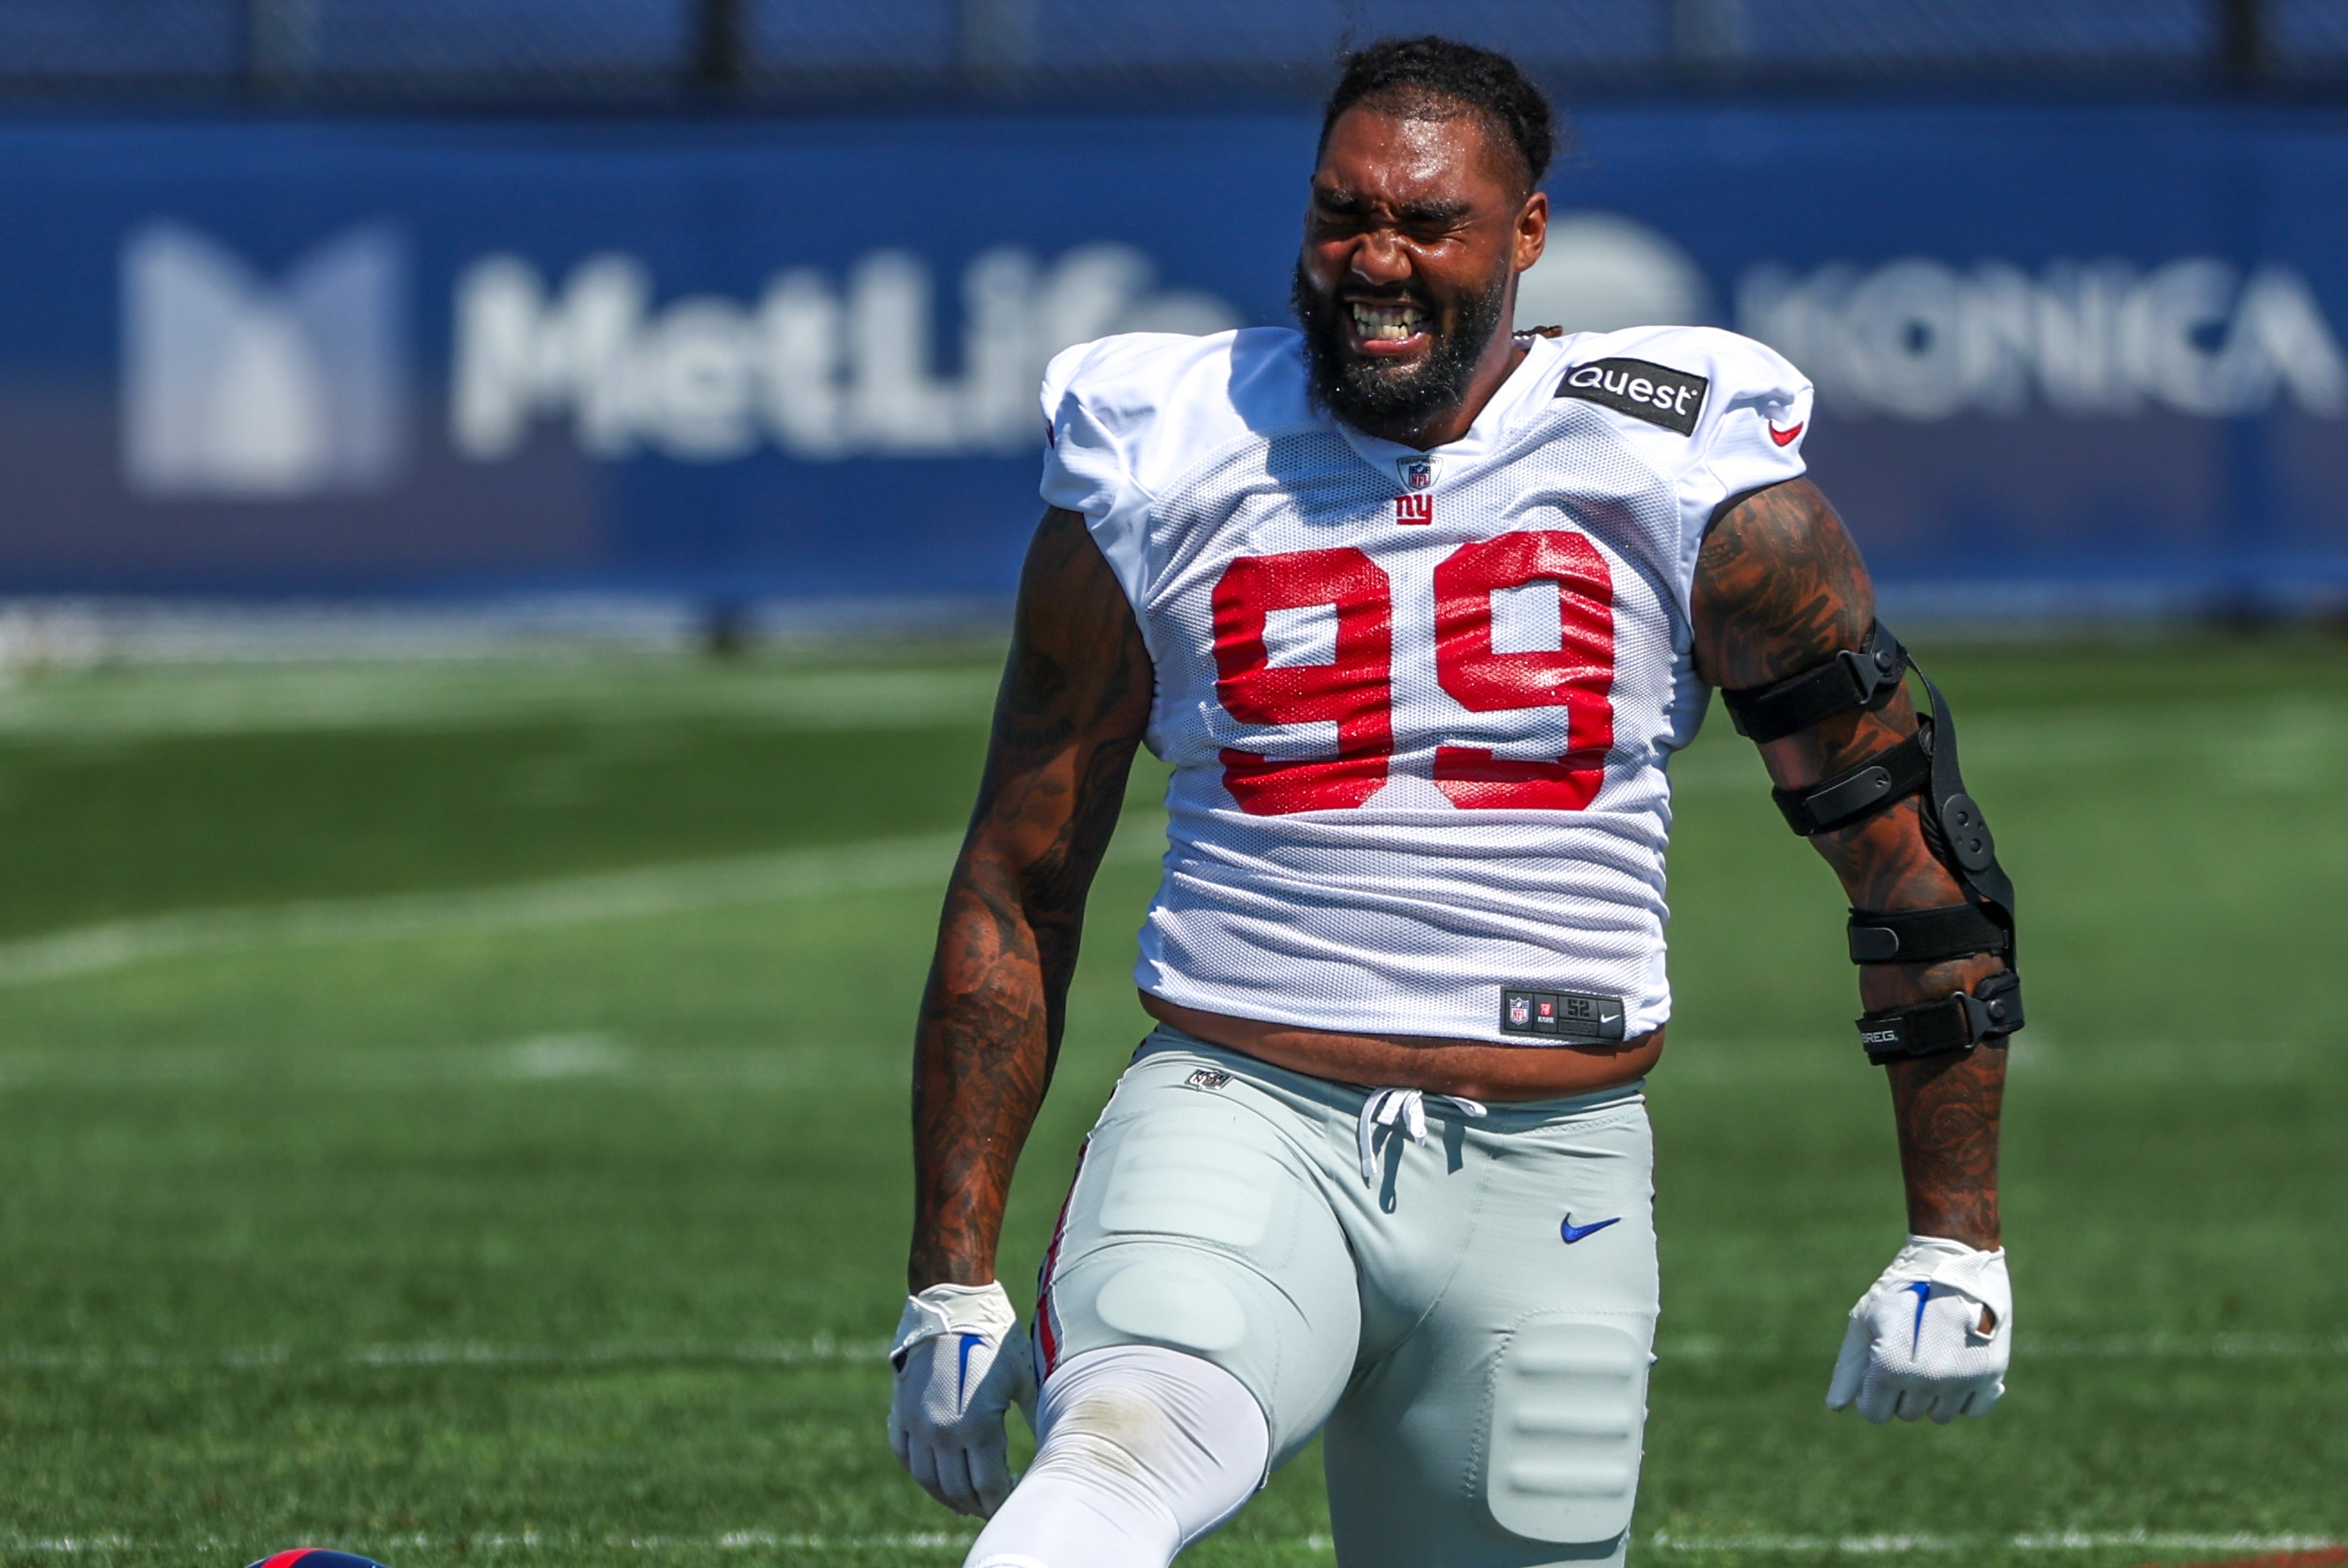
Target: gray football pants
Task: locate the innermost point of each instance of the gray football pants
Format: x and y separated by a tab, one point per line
1471	1326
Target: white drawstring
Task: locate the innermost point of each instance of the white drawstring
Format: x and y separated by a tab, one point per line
1386	1106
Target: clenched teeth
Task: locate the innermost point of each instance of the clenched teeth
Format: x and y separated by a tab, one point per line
1386	323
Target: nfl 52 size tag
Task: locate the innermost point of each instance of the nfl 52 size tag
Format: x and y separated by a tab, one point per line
1559	1015
1655	393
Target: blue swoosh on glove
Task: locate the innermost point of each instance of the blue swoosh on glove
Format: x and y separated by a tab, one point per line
962	1371
1923	1289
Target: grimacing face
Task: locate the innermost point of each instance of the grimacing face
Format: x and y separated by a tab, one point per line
1416	231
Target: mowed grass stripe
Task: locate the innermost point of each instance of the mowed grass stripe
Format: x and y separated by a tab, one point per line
541	1060
339	696
536	905
691	887
262	1357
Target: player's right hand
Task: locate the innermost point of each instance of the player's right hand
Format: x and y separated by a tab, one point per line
1932	1336
960	1362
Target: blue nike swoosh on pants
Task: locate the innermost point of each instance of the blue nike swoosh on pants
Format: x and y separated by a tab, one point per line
1573	1233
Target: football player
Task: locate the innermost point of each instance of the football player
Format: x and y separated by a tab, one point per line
1418	608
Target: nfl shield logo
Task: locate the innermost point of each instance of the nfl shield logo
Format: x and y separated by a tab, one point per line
1417	473
1521	1010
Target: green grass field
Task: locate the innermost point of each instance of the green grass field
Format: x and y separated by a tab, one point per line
458	1112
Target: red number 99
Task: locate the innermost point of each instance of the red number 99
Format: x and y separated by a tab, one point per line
1356	689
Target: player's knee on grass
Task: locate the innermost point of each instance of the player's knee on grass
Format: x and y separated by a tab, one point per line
1145	1450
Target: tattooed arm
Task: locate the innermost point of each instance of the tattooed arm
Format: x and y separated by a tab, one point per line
1779	587
1074	700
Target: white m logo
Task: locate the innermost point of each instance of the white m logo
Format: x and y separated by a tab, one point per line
236	390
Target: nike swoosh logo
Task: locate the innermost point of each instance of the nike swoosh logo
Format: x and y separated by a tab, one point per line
962	1372
1785	437
1922	1289
1573	1233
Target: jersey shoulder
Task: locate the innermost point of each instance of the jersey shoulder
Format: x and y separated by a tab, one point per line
1162	400
1714	388
1129	416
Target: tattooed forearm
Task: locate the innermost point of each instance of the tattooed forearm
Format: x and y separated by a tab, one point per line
1779	587
1947	1111
1074	700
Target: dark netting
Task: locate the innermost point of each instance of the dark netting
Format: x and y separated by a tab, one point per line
131	42
1109	53
555	38
2038	35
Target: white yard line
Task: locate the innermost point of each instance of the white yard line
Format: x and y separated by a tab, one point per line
531	1540
524	1064
688	887
2050	1541
2139	1540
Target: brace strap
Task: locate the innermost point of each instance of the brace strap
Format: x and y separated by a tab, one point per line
1861	678
1858	792
1984	1016
1923	935
1953	827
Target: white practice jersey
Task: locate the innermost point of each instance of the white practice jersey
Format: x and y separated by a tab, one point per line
1418	705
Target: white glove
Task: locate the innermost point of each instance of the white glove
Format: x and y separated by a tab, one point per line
1916	1346
960	1362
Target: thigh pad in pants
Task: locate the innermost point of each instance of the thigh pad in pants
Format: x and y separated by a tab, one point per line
1195	1224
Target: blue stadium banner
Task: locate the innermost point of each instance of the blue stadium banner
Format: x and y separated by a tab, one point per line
2065	350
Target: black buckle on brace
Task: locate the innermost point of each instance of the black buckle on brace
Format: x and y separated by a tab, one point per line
1864	678
1858	792
1984	1016
1924	935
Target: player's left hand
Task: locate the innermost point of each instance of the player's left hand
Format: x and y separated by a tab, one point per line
1931	1338
960	1363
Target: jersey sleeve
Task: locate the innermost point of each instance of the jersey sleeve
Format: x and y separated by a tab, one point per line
1758	416
1756	411
1095	426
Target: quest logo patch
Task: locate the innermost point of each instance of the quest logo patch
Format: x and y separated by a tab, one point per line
1655	393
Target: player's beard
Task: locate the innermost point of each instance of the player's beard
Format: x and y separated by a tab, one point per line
1382	398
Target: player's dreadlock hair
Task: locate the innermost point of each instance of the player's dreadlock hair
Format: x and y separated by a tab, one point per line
1432	77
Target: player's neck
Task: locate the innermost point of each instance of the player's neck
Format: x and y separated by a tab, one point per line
1499	361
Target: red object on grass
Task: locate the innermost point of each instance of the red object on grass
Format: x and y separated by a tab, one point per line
2324	1558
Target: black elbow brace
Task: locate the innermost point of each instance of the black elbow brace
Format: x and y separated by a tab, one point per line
1925	763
